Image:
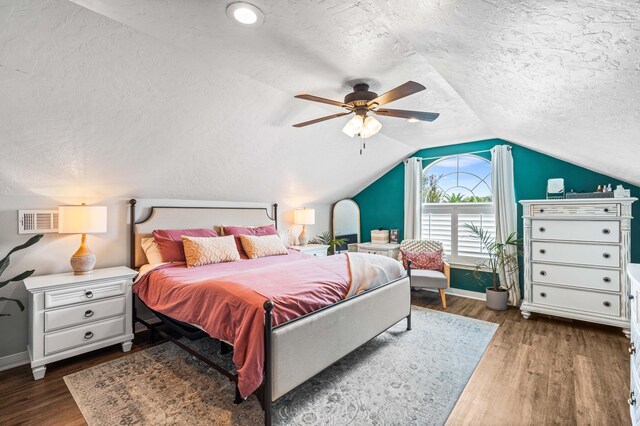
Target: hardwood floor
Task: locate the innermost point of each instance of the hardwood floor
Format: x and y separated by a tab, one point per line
535	372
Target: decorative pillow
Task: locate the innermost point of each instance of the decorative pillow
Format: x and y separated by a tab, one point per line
170	241
151	250
206	250
268	245
431	260
259	231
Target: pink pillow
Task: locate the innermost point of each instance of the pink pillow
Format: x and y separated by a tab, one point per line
258	231
431	260
170	241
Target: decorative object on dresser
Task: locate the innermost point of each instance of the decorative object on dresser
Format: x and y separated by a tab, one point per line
83	220
555	189
304	217
346	223
4	264
633	271
389	250
576	254
393	236
438	278
325	239
500	259
312	249
73	314
380	236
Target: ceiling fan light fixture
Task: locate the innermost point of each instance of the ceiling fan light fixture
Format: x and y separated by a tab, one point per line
353	126
245	14
370	127
413	120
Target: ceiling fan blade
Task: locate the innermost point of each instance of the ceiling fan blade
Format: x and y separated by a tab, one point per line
318	120
409	88
400	113
319	99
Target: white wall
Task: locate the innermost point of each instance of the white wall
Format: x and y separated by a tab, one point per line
52	253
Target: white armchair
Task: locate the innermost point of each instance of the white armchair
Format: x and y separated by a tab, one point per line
424	278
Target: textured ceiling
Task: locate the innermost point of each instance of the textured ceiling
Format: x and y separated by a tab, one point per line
171	99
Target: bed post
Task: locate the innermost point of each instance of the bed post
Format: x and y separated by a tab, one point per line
268	364
132	258
275	214
409	275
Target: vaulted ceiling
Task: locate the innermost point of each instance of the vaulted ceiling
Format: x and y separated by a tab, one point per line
172	99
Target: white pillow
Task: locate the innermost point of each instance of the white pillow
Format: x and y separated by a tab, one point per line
151	250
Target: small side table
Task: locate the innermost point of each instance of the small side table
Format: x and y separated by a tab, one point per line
312	249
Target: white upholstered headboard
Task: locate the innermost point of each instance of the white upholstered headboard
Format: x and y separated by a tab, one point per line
210	216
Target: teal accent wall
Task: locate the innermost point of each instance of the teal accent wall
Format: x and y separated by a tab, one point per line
382	202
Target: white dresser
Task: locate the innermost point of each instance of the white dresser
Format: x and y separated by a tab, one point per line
576	254
73	314
634	345
389	249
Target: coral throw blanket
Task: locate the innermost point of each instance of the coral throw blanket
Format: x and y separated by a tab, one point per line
227	299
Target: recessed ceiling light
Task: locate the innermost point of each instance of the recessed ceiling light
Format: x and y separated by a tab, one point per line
413	120
245	14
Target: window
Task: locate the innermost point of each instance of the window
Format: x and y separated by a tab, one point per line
455	191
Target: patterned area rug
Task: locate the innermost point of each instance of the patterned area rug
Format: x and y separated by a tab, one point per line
399	377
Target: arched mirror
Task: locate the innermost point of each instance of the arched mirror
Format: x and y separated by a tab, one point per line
346	223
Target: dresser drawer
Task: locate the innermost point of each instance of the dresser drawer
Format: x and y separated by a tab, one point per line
580	254
634	398
634	347
586	230
84	313
575	209
575	276
80	336
90	292
608	304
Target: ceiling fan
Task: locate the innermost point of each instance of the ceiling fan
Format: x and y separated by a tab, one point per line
361	101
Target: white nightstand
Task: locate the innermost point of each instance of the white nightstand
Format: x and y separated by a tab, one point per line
73	314
312	249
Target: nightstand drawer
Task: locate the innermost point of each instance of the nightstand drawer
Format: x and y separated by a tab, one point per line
85	313
85	335
90	292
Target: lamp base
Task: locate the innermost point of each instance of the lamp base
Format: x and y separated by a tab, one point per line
83	260
303	238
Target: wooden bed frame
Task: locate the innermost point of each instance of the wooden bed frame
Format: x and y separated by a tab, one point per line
319	338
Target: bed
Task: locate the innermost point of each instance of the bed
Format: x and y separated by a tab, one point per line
293	342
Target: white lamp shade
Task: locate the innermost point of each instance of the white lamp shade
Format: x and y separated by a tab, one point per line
353	126
371	127
304	216
82	219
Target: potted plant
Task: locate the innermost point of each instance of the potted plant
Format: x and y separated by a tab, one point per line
4	263
502	257
326	239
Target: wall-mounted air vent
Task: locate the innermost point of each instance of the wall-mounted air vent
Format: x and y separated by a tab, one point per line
37	221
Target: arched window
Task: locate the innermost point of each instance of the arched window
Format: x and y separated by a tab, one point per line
456	190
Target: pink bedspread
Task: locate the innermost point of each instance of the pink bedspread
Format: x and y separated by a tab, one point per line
227	299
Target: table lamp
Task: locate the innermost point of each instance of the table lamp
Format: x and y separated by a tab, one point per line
304	217
82	220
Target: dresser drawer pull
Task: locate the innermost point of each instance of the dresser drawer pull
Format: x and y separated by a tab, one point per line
543	251
542	229
631	297
88	335
632	348
606	280
543	294
632	398
606	255
88	314
88	294
606	210
543	273
541	210
606	231
606	303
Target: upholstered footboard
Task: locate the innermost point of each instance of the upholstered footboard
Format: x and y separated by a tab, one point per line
303	347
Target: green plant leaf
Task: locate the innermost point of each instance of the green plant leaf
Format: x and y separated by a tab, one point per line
19	277
19	303
4	263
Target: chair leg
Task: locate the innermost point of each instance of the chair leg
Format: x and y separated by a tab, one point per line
443	297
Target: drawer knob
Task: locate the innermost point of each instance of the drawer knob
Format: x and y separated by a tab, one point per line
606	255
543	294
88	335
543	251
631	297
606	280
542	229
88	314
606	303
606	210
543	273
88	294
606	231
632	398
632	348
541	210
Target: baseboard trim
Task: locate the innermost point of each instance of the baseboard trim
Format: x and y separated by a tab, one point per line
462	293
14	360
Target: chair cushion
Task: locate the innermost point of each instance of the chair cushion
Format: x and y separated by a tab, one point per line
432	260
424	278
